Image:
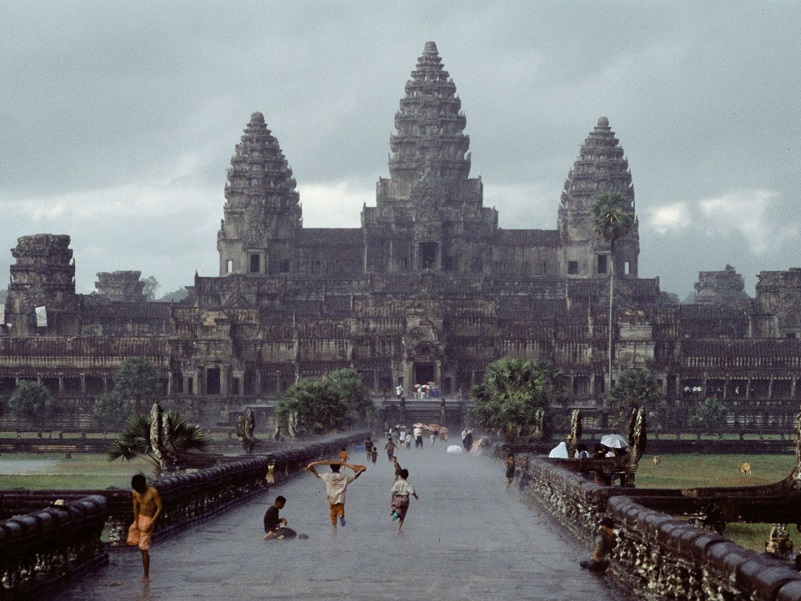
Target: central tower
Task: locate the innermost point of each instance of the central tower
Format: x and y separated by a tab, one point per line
429	214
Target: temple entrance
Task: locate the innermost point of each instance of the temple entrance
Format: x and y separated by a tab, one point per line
424	373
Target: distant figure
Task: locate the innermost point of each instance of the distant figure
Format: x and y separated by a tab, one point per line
581	451
368	448
418	438
399	497
147	508
745	468
374	455
467	441
275	526
390	448
343	455
604	543
398	468
657	460
510	469
336	485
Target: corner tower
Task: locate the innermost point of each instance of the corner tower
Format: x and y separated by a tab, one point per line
429	214
600	167
262	214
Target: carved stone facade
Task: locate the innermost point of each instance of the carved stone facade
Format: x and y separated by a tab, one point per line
429	288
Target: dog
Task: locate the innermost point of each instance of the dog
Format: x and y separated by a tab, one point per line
656	460
745	468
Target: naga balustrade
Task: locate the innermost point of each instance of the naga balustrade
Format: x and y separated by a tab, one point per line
44	546
659	556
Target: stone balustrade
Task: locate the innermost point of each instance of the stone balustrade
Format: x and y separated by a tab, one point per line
658	556
43	546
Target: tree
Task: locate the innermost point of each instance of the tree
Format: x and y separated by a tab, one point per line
356	395
612	216
710	416
111	411
134	440
320	407
515	395
633	389
136	378
33	402
175	296
151	285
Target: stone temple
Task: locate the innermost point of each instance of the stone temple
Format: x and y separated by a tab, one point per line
429	288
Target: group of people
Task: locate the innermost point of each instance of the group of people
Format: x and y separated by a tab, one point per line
147	504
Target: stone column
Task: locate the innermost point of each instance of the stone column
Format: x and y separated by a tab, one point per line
438	373
224	379
83	383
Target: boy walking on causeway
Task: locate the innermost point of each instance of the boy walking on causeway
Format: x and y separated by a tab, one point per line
400	497
336	485
146	509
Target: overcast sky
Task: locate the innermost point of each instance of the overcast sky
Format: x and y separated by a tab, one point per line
118	119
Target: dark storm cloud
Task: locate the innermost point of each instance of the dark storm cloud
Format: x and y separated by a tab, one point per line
119	119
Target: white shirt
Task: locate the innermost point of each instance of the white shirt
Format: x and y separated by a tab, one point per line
402	487
335	486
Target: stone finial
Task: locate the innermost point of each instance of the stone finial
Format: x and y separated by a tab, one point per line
430	48
603	122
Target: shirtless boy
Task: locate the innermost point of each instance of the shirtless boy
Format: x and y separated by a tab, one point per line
147	508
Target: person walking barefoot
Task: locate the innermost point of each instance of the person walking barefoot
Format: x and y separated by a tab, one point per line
399	497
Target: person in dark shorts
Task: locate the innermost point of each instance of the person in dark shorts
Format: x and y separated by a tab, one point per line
510	469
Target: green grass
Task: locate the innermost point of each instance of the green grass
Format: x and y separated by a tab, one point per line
701	471
83	471
696	470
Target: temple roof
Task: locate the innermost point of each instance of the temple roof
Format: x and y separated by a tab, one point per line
600	167
430	125
258	167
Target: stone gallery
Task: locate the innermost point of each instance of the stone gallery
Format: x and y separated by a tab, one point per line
428	289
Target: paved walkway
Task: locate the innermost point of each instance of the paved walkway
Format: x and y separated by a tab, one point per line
468	538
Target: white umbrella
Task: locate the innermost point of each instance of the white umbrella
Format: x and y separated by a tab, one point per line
614	441
454	448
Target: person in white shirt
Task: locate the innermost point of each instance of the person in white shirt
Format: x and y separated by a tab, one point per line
400	498
335	486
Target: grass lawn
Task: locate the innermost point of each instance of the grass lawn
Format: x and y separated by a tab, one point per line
694	471
83	471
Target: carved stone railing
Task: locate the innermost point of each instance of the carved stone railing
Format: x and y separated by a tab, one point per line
659	556
46	545
41	548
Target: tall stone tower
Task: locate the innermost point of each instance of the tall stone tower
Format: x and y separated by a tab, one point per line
262	214
600	167
44	278
429	214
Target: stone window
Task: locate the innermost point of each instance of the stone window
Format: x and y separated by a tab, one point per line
284	265
572	267
255	263
602	268
627	268
229	266
428	255
213	380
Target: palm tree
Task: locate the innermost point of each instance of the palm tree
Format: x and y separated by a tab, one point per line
633	389
612	217
134	440
32	401
515	395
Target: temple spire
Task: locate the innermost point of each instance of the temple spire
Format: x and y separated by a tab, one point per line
600	167
430	139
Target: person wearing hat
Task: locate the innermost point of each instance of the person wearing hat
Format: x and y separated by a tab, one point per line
604	543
